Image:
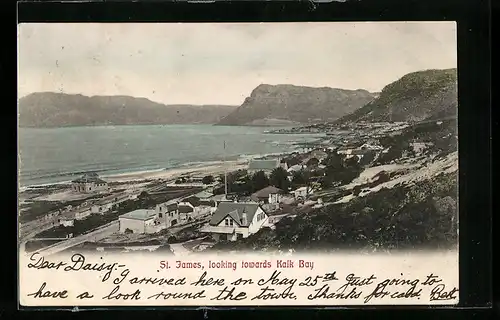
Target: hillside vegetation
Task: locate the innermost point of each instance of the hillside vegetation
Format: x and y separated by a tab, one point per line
422	215
429	94
413	205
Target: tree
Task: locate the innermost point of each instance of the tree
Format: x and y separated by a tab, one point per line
144	195
208	180
368	158
333	162
352	162
313	162
279	178
259	181
301	178
326	182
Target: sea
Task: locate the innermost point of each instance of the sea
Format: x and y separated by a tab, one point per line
58	155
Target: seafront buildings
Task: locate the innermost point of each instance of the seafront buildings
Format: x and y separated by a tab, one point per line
89	182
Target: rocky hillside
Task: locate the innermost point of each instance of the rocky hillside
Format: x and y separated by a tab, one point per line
422	215
407	199
296	104
47	109
429	94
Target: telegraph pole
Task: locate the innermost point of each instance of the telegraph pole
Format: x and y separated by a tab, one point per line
225	172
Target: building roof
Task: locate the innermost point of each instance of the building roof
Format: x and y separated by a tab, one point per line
91	174
171	207
140	214
234	210
204	195
302	189
90	177
185	209
263	164
219	197
264	193
296	167
209	203
194	201
318	153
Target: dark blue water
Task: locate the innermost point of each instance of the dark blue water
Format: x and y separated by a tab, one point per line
61	154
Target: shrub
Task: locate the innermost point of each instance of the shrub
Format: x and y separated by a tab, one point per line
208	180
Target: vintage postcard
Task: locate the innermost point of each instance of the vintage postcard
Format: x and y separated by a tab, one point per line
238	164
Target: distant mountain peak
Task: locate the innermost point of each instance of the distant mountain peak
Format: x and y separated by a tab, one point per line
287	103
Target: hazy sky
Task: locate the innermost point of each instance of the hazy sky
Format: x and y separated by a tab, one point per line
221	63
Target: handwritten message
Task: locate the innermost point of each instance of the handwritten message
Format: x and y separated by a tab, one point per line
95	280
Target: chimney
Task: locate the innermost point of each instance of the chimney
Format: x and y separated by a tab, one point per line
244	216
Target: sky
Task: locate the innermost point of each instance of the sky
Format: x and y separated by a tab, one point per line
214	63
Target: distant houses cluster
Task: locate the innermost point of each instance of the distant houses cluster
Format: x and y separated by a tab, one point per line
169	214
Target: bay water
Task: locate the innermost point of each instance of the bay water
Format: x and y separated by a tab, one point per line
52	155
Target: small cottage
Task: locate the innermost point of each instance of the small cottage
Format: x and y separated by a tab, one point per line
270	194
302	193
89	182
267	166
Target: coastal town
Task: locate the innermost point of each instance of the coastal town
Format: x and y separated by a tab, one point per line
191	210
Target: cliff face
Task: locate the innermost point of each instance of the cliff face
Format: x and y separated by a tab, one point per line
417	96
290	104
47	109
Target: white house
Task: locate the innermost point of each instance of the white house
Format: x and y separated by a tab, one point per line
89	182
296	168
82	214
138	221
270	194
267	166
68	220
318	154
232	221
168	213
302	193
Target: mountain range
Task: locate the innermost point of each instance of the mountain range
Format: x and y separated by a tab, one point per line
48	109
429	94
291	105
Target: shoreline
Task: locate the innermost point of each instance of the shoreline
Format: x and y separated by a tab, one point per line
200	167
207	168
213	168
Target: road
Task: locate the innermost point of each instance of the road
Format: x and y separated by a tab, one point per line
32	228
95	235
179	250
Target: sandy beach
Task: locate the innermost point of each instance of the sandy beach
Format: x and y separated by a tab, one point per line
213	168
